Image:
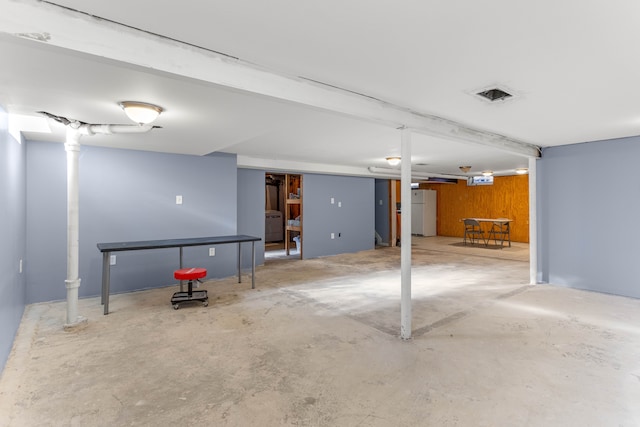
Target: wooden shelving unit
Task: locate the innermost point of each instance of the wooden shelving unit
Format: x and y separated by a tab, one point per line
293	212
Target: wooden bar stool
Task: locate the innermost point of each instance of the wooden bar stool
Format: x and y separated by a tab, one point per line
190	274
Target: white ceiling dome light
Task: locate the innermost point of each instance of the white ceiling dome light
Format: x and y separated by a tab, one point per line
141	112
393	161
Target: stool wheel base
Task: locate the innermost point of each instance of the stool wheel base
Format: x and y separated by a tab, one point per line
180	297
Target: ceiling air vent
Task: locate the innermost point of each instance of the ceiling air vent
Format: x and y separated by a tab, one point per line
494	94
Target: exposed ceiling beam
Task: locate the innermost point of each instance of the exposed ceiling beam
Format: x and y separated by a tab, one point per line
307	167
58	26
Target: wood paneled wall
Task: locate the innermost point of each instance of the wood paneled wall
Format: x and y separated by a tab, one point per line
508	197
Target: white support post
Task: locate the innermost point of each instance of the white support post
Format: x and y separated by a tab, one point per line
533	223
393	211
75	131
405	236
72	283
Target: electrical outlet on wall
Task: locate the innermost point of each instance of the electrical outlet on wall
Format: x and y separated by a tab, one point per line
178	200
112	260
212	251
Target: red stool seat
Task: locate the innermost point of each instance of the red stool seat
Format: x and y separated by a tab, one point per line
190	273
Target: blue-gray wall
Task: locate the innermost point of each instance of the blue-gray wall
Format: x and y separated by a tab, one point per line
382	209
13	232
353	224
251	220
588	200
126	195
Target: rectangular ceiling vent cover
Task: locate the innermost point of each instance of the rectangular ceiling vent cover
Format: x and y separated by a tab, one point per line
494	94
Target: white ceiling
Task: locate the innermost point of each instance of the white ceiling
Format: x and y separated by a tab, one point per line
570	64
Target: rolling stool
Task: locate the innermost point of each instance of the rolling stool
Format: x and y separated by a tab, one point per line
189	274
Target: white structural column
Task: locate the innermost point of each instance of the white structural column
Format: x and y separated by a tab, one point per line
393	212
72	283
533	223
405	236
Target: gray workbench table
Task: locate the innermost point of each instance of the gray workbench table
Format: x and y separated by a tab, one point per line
108	248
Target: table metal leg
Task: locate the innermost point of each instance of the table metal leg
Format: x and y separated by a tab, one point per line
104	265
181	281
106	279
253	265
239	262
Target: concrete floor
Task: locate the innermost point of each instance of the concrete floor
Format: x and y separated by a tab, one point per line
316	344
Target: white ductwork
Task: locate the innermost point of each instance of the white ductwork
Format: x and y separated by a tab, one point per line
114	129
72	283
75	130
395	173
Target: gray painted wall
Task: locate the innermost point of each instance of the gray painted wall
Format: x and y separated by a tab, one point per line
251	212
126	195
13	232
382	209
353	224
588	197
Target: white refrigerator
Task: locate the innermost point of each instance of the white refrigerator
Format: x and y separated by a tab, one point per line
423	212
